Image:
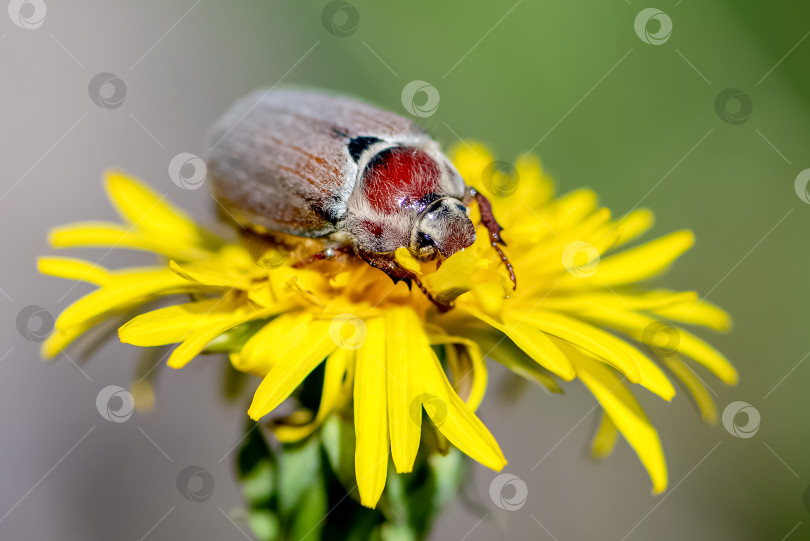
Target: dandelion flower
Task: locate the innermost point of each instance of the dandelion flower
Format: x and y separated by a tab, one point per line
580	312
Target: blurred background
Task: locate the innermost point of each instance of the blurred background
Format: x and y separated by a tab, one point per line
630	101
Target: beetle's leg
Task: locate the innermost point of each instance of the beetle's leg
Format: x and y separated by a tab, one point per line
489	221
400	274
325	254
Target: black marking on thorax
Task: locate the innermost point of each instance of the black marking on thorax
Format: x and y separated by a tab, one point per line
359	144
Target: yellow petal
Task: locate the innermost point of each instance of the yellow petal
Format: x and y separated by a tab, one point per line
573	207
203	333
637	367
605	438
286	375
454	419
470	372
500	348
223	276
405	341
700	394
123	289
537	345
490	298
73	269
273	343
625	412
534	188
619	298
141	205
697	313
454	277
635	325
470	159
112	235
633	225
59	339
644	261
405	260
371	414
332	397
173	324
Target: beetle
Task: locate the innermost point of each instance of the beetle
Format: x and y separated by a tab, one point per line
366	181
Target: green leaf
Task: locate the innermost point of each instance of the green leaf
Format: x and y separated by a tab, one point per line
233	382
448	473
235	338
310	514
258	485
264	524
256	468
415	499
338	440
299	466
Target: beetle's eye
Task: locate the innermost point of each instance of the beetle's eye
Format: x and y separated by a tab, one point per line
424	240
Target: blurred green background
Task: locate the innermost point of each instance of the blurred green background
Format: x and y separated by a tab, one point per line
573	82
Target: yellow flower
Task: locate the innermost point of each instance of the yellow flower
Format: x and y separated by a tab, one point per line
387	350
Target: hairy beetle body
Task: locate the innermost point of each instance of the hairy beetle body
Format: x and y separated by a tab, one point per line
318	165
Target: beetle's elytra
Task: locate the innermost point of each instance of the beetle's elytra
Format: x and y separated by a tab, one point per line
367	181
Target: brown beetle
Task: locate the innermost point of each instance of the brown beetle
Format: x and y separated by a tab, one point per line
318	165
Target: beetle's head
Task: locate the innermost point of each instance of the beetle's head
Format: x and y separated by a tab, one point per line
409	197
442	227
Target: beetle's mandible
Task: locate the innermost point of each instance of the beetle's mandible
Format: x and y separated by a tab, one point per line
364	180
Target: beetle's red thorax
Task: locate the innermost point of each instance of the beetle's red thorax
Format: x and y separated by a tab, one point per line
398	177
